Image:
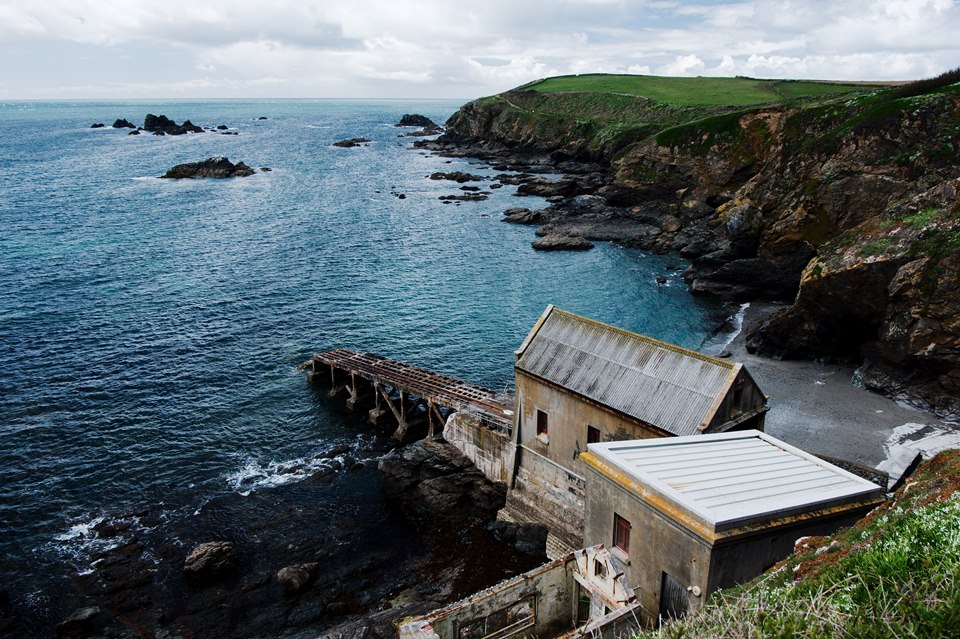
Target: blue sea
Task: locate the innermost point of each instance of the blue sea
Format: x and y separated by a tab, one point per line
150	330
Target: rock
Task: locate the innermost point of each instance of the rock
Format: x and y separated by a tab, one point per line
526	537
217	167
350	143
295	579
467	197
263	117
562	242
265	169
134	132
671	224
519	215
415	119
120	123
79	623
162	125
222	127
211	562
97	125
432	479
457	176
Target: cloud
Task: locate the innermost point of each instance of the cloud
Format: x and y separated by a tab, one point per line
424	48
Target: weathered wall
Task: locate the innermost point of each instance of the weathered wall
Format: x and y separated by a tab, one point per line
488	610
491	451
657	544
622	622
742	399
548	494
569	416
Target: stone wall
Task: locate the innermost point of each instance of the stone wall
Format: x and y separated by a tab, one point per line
490	450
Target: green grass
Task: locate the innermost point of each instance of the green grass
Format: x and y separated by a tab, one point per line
895	574
697	91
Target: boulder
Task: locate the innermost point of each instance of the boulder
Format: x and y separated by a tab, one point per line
519	215
415	119
79	623
217	167
562	242
295	579
120	123
222	127
211	562
97	125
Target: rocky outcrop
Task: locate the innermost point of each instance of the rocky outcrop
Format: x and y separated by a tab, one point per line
767	203
351	143
218	167
162	125
555	241
97	125
415	119
121	123
457	176
211	562
433	479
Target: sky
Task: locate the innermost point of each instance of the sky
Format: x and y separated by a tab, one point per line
114	49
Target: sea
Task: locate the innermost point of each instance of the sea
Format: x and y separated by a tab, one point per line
151	329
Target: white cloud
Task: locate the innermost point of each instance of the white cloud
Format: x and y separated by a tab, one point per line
408	48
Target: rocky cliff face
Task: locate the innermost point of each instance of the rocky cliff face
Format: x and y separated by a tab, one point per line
847	206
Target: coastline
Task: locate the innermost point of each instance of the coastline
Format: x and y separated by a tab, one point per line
817	408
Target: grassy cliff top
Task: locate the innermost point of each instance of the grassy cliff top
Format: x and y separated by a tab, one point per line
697	91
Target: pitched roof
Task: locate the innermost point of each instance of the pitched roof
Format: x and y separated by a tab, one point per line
669	387
728	480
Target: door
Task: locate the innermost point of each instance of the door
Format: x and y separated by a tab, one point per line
674	602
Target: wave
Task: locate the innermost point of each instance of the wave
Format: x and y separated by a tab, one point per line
94	534
723	335
256	474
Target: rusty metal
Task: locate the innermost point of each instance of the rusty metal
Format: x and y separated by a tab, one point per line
434	388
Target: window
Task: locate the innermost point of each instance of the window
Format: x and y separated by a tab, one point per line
621	533
599	568
593	435
541	423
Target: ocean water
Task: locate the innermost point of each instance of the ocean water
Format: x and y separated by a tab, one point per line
150	329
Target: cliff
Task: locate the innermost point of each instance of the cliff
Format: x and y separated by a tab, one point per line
845	203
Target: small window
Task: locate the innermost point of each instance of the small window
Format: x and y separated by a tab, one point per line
593	435
541	423
621	533
599	568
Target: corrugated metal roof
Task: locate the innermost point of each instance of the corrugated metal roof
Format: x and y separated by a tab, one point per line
729	479
667	386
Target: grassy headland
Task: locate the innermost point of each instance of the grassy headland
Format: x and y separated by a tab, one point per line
699	91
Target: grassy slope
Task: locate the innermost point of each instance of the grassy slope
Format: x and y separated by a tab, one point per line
894	574
697	91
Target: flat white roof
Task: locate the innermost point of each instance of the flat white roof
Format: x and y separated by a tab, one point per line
731	479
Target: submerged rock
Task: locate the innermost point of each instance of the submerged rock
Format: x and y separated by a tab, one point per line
562	242
218	167
97	125
457	176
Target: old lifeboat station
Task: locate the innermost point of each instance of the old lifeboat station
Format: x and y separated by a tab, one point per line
646	463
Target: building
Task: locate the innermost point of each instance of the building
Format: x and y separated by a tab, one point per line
579	382
691	515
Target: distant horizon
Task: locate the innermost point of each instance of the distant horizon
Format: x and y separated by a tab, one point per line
878	83
372	49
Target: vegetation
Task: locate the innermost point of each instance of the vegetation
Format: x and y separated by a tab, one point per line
697	91
895	574
922	87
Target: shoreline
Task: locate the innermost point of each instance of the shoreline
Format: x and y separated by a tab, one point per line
817	408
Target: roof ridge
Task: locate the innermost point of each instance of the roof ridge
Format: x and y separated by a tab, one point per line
680	350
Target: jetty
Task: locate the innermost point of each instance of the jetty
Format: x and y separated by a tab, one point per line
414	397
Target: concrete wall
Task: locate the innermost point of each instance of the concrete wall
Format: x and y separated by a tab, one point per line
489	611
490	450
568	417
657	544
